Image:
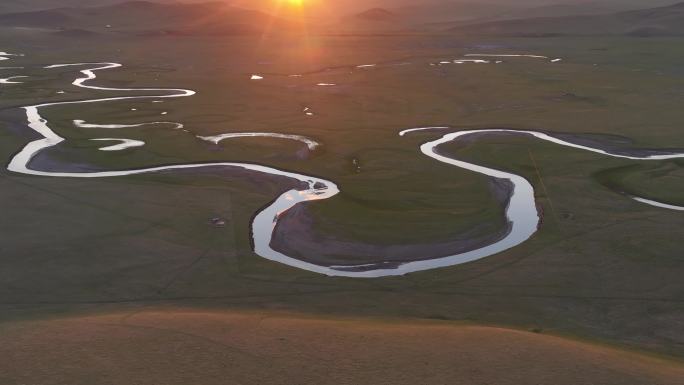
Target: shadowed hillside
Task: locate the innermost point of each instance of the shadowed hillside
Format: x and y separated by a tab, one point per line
662	21
376	14
373	20
459	11
221	18
147	17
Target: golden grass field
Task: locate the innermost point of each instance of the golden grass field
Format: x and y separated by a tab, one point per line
177	346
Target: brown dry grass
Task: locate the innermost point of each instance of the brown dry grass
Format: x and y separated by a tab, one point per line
188	347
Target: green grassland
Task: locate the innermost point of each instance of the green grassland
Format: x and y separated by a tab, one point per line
602	266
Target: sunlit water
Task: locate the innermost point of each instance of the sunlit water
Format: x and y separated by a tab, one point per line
11	80
521	212
122	145
216	139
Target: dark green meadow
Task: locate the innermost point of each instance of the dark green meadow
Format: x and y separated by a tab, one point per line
602	267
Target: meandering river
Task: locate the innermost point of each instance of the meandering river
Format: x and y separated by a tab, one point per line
521	211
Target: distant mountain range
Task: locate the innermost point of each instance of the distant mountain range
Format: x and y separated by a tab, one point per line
376	14
373	20
661	21
467	18
151	18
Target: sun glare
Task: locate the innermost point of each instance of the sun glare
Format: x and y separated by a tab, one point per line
295	3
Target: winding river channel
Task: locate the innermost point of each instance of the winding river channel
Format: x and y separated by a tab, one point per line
521	210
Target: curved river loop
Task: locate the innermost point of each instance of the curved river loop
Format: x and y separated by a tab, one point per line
521	211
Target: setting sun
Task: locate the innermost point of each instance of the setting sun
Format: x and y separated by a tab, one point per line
295	3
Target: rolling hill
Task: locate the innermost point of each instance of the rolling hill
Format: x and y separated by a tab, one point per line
376	14
579	8
373	20
661	21
210	18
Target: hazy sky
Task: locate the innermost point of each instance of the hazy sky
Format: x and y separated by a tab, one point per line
340	7
364	4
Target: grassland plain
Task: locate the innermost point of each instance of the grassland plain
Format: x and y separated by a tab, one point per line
602	267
